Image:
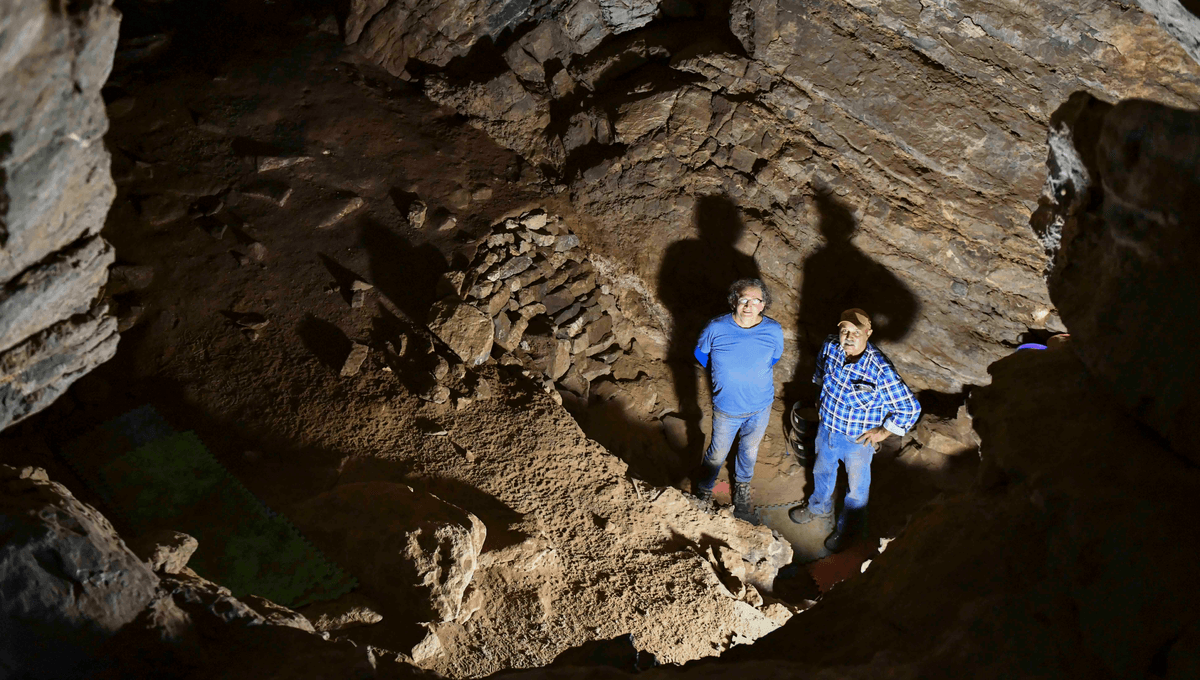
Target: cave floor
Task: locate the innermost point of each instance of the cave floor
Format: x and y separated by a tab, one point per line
242	334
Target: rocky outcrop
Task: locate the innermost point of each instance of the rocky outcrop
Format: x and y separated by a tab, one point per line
78	603
66	576
55	190
1121	204
886	155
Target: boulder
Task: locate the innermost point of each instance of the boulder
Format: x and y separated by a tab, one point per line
410	550
66	577
465	330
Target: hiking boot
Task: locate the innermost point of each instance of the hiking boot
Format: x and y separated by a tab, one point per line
838	540
741	502
703	500
850	524
802	515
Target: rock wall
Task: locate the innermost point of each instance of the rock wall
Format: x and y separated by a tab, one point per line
1125	181
55	191
886	154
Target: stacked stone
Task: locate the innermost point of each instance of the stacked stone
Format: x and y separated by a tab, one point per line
550	309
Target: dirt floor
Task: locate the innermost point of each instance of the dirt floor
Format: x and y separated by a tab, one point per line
243	331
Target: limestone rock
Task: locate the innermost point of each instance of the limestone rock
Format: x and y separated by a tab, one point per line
278	615
66	576
943	436
274	191
416	213
352	610
339	211
126	278
820	131
165	551
411	550
354	360
42	367
268	163
55	181
61	286
464	329
509	330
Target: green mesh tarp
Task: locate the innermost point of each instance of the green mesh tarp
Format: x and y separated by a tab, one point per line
156	478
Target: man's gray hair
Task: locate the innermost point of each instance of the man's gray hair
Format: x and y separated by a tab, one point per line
735	291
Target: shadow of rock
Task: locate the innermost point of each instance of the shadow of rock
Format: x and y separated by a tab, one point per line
495	515
325	340
1123	219
405	274
1086	523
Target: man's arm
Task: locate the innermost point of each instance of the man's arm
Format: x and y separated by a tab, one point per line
704	345
819	373
777	336
905	409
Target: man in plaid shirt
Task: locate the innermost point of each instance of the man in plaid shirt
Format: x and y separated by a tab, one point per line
863	402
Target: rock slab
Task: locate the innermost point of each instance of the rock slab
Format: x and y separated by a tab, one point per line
463	328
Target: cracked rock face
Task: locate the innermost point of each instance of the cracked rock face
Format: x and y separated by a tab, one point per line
880	154
55	190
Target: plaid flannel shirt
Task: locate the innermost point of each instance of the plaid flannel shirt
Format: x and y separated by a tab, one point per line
868	393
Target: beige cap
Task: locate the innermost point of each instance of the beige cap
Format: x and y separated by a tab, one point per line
857	318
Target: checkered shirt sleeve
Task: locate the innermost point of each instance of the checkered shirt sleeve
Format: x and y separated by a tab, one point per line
868	393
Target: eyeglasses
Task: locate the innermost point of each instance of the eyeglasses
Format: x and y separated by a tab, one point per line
749	301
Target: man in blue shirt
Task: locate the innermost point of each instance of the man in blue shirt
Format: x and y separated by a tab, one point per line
863	402
742	348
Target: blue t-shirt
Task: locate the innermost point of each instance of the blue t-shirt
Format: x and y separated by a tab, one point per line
742	362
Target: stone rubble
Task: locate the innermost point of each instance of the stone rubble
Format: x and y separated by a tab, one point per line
532	291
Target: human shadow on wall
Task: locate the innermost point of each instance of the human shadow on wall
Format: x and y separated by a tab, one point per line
839	276
693	283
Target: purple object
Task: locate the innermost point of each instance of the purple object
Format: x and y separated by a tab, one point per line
1030	345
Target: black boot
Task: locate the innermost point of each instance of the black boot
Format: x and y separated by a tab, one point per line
850	524
741	501
704	499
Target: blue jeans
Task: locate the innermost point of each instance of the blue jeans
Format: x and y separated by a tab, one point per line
832	448
752	427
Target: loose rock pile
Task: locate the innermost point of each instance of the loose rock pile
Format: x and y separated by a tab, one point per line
532	292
